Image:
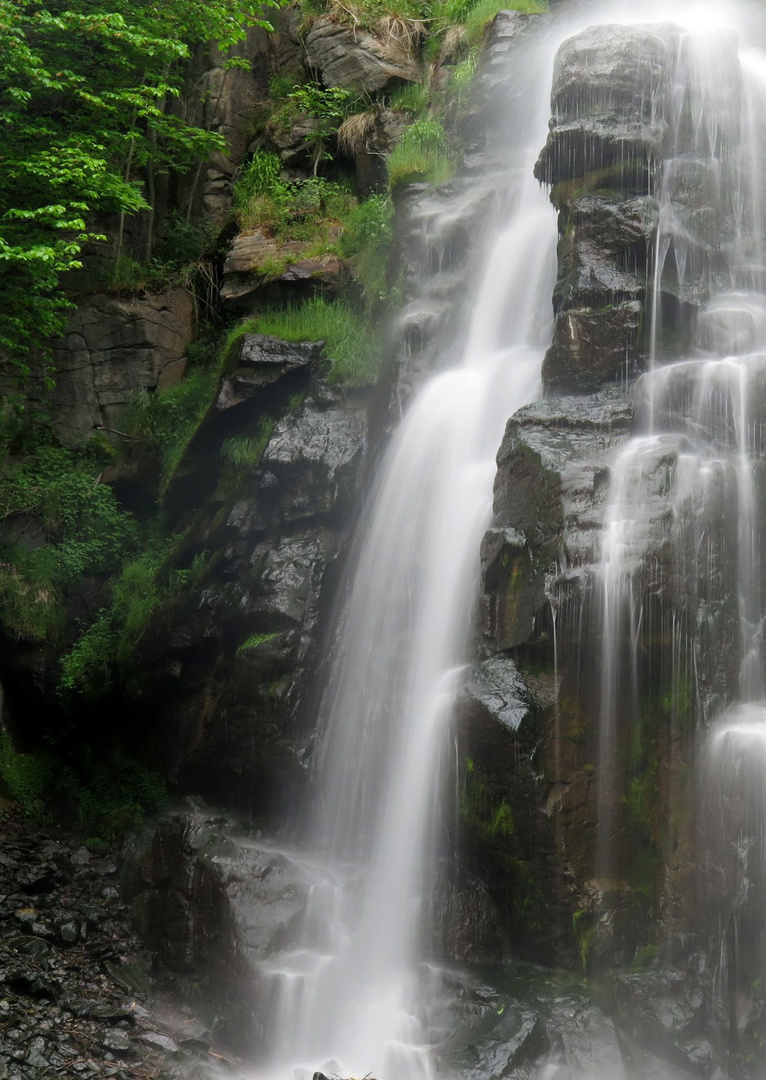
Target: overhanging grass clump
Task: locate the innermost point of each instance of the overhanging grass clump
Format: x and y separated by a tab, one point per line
422	154
352	345
474	15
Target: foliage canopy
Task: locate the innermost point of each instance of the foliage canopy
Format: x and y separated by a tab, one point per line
86	88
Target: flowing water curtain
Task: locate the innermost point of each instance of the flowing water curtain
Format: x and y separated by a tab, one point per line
732	812
354	990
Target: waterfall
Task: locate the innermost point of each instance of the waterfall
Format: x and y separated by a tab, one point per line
352	992
677	557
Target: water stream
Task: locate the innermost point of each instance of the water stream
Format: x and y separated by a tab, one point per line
352	994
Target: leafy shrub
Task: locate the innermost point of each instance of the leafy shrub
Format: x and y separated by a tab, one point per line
367	239
184	242
107	646
27	778
280	87
117	795
421	154
85	532
108	797
328	106
292	210
167	419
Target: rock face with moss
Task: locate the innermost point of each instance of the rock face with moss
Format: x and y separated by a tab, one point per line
113	349
345	56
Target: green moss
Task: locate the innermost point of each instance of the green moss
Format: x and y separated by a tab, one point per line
584	928
255	641
644	958
678	701
502	821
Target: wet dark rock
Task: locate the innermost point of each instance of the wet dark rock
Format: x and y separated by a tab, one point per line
608	86
470	925
155	1040
525	1024
262	360
213	904
666	1009
549	492
506	837
228	667
117	1041
591	347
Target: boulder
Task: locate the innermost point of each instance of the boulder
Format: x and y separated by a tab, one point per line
602	234
347	56
260	267
260	361
226	666
591	347
294	140
506	838
213	903
609	83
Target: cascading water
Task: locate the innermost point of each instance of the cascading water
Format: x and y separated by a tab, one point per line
352	990
681	520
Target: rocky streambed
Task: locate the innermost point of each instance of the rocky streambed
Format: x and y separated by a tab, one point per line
77	994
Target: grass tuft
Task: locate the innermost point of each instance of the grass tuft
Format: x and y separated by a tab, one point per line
421	155
352	345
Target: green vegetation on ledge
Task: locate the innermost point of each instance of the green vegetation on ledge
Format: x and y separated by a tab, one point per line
351	344
69	524
105	799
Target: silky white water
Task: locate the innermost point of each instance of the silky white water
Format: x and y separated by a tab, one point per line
352	995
